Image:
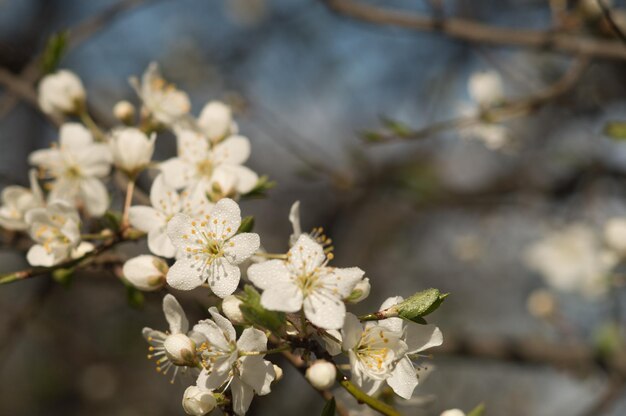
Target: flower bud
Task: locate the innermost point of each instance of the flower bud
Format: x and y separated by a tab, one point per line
180	349
124	112
216	120
61	93
145	272
360	291
321	374
486	88
615	234
453	412
131	149
279	373
198	402
231	309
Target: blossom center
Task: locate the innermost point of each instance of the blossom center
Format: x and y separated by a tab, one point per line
205	168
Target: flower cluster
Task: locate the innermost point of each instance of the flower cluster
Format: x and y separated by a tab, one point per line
294	303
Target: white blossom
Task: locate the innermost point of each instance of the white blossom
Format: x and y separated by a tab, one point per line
162	100
17	201
615	234
453	412
294	219
56	230
373	350
198	401
61	93
166	203
235	363
572	260
418	338
131	149
145	272
360	292
77	165
304	280
231	309
216	121
321	374
174	348
210	248
124	112
486	88
216	169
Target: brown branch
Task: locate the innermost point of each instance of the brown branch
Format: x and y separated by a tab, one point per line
606	12
606	401
476	32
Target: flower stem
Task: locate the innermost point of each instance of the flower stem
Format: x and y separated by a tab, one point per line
363	397
282	348
91	124
271	255
130	188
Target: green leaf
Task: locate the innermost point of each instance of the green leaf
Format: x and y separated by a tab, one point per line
247	225
396	127
263	185
478	410
134	296
420	304
615	130
254	313
329	408
371	136
63	276
53	52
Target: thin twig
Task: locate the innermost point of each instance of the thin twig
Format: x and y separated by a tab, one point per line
606	12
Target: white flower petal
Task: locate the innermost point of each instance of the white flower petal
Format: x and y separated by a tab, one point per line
184	275
223	277
403	378
252	340
306	254
224	324
94	195
38	256
268	273
145	218
351	332
324	311
175	315
242	396
213	333
241	247
212	380
163	197
285	297
235	150
177	173
422	337
257	373
225	218
160	244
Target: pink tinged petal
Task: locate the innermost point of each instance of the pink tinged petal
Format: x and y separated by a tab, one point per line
235	150
284	297
213	334
177	173
145	218
160	244
422	337
94	195
38	256
403	378
267	274
224	324
324	310
306	254
351	332
223	277
257	373
163	197
252	340
185	274
225	219
175	315
242	396
240	247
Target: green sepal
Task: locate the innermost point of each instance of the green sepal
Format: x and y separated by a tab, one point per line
478	410
247	225
53	52
256	314
420	304
329	408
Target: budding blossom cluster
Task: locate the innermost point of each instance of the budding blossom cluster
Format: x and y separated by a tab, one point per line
197	240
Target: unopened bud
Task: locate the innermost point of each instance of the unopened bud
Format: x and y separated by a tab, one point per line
124	112
541	304
279	373
321	374
61	93
145	272
231	308
197	401
453	412
180	349
360	291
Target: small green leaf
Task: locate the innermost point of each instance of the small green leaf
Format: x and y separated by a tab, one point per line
329	408
63	276
371	136
254	313
396	127
247	225
112	220
420	304
478	410
53	52
615	130
263	185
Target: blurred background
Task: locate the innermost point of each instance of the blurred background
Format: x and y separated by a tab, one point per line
375	128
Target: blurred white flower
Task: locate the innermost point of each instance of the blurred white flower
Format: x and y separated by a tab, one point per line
216	170
17	201
305	280
418	338
166	203
615	234
373	351
486	88
145	272
61	93
176	347
453	412
216	121
77	165
294	219
210	250
124	112
572	260
198	401
321	374
231	309
235	363
493	136
162	100
131	149
56	230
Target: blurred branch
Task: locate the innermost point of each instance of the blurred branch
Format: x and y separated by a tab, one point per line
475	32
494	114
606	12
606	401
